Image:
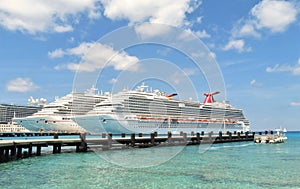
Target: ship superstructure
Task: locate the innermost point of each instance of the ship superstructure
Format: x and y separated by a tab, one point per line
56	116
139	111
9	111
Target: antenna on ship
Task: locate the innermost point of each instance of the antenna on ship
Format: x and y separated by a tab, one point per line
209	97
142	87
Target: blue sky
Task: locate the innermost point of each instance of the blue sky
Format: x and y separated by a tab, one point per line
255	43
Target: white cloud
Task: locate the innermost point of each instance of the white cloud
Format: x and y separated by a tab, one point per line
21	85
204	55
56	53
295	104
189	35
181	76
246	30
171	12
254	83
189	71
236	44
62	29
202	34
33	16
273	15
94	56
213	55
113	80
199	19
295	70
148	30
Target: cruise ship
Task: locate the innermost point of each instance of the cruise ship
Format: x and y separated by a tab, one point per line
141	111
56	116
9	111
12	127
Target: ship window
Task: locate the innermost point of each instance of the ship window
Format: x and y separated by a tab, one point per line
53	121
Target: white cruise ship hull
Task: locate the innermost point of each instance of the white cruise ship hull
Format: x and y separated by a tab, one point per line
112	123
49	124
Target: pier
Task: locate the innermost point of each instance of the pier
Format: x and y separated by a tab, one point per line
27	134
17	149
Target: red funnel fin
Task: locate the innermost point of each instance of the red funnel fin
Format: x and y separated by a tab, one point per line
209	97
170	95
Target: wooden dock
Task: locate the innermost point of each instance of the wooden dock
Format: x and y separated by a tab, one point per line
17	149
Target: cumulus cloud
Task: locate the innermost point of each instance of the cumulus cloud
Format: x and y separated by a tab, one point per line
202	34
169	12
148	30
113	80
254	83
295	70
21	85
33	16
273	15
295	104
56	53
181	76
94	56
236	44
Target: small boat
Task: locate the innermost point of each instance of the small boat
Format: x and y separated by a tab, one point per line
279	137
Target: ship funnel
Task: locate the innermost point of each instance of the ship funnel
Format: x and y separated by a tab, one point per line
209	97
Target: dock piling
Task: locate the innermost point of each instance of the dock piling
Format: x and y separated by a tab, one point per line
152	136
1	155
132	137
38	150
30	150
82	147
169	137
230	136
19	152
198	137
109	140
184	136
220	136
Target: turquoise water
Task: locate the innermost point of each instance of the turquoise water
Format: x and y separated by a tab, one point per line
231	165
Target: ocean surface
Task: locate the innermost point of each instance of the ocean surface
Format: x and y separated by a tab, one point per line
229	165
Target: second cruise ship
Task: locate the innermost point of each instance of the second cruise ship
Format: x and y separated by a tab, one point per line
145	112
56	116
